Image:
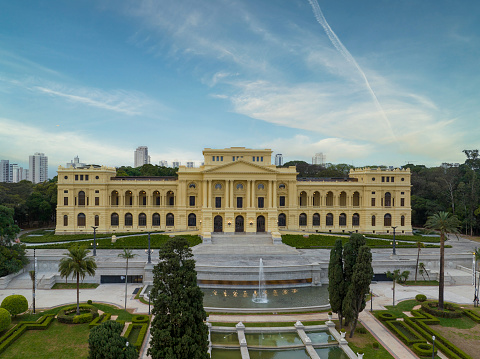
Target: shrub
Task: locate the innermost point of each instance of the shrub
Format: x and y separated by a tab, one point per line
5	319
361	330
67	315
15	304
386	316
89	302
375	345
450	310
105	338
423	349
140	318
83	318
421	297
404	332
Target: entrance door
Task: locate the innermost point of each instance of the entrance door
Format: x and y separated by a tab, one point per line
260	224
239	224
218	224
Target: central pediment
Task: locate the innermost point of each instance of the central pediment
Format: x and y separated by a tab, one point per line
240	166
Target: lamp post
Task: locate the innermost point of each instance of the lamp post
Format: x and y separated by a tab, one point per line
433	347
34	278
94	240
394	243
149	251
149	292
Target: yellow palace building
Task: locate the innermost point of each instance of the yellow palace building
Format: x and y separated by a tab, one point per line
236	190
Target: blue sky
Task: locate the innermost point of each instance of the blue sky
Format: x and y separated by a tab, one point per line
364	82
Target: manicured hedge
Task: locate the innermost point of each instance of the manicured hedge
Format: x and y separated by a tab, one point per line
386	316
421	297
41	324
472	315
395	326
15	304
5	319
140	318
425	317
89	312
423	349
451	311
98	320
141	335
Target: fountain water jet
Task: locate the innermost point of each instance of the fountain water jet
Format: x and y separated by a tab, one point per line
261	296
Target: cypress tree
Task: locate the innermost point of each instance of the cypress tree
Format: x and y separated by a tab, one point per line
336	283
178	330
360	286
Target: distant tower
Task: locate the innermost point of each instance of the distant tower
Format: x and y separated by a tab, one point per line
318	159
141	156
163	163
38	168
278	159
176	164
4	171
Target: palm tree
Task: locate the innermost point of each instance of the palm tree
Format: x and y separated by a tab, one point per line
420	245
445	223
127	254
77	264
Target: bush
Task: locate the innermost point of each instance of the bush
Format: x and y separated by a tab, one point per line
83	318
67	315
423	349
450	310
5	319
15	304
89	302
361	330
421	297
375	345
105	339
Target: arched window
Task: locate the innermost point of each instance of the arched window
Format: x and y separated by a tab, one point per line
142	219
81	198
114	219
282	220
282	186
239	186
329	219
114	198
342	219
302	219
316	219
65	220
316	199
218	186
402	221
343	199
303	199
156	198
387	220
128	198
192	220
329	199
373	221
356	199
128	219
355	219
191	185
81	220
170	198
142	198
261	186
97	221
170	220
388	199
156	220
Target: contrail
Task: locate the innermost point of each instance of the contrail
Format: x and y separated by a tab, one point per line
346	54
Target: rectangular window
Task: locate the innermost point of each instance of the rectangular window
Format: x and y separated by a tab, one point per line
192	201
257	158
97	191
66	191
65	201
218	202
253	158
261	202
213	158
402	202
239	202
81	177
373	202
383	179
233	158
218	158
221	158
86	177
76	177
261	159
97	201
393	179
388	179
282	201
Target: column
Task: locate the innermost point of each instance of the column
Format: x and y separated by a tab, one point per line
209	194
232	205
204	189
249	182
274	194
270	194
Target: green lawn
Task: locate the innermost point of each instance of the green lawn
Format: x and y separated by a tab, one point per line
58	341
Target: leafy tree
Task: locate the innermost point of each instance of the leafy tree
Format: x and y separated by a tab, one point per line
336	282
445	224
78	265
12	259
359	287
15	304
178	330
8	229
127	254
5	319
105	342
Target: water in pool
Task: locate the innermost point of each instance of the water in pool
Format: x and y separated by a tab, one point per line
321	337
279	354
227	339
331	353
278	339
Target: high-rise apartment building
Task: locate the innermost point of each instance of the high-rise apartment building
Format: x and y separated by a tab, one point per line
141	156
75	163
18	173
163	163
319	159
190	164
38	164
278	159
5	171
176	164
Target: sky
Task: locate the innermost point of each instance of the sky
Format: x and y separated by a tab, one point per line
365	82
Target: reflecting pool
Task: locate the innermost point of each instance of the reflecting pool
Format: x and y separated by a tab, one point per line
279	354
331	353
277	298
321	337
220	353
269	339
227	339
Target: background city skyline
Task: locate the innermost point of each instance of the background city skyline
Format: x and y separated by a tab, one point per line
370	82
